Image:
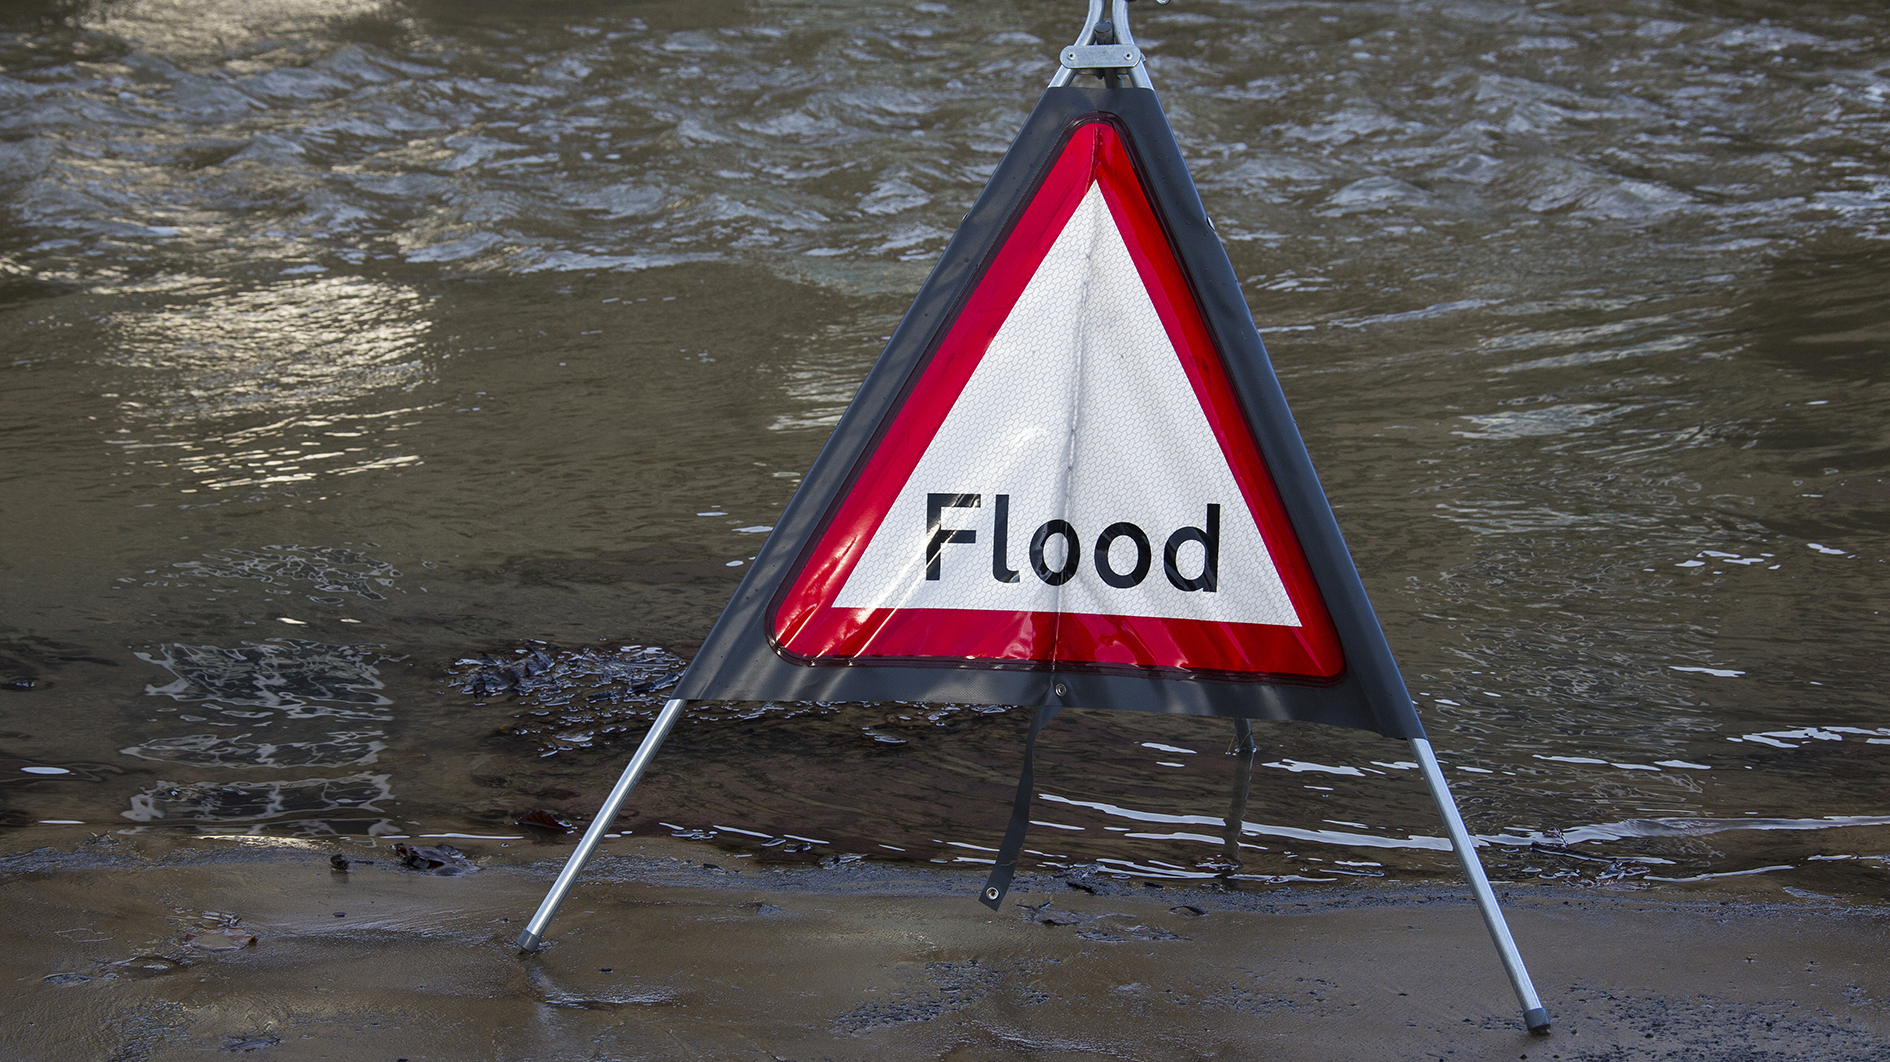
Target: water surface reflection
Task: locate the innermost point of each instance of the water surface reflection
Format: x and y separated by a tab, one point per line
397	391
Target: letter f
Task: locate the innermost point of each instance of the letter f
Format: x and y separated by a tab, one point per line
936	536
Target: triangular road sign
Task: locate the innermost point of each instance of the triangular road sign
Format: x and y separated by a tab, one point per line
1070	479
1076	432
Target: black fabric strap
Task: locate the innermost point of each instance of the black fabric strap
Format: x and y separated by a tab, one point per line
999	882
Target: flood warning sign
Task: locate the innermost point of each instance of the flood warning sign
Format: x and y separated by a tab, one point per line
1070	479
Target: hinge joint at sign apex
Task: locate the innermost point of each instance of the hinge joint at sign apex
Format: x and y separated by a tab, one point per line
1106	48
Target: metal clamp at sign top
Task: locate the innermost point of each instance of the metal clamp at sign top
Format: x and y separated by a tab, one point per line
1121	54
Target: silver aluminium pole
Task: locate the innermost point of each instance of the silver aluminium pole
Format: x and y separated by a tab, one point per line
534	933
1065	73
1138	74
1535	1016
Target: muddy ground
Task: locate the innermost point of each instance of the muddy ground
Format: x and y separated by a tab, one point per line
143	948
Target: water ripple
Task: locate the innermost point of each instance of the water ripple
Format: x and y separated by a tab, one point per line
610	141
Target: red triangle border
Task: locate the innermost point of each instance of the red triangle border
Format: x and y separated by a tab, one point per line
803	627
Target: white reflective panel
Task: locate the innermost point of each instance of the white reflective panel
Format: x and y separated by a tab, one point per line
1080	411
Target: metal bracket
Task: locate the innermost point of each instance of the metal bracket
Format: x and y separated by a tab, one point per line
1100	57
1123	55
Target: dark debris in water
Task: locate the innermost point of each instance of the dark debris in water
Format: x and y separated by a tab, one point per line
567	700
539	674
540	819
570	698
443	861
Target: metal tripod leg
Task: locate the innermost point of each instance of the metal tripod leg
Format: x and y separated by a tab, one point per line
534	932
1534	1014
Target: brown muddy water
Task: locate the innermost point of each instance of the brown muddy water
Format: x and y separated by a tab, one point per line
391	393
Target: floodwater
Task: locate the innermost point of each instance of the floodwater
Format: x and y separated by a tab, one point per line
392	392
